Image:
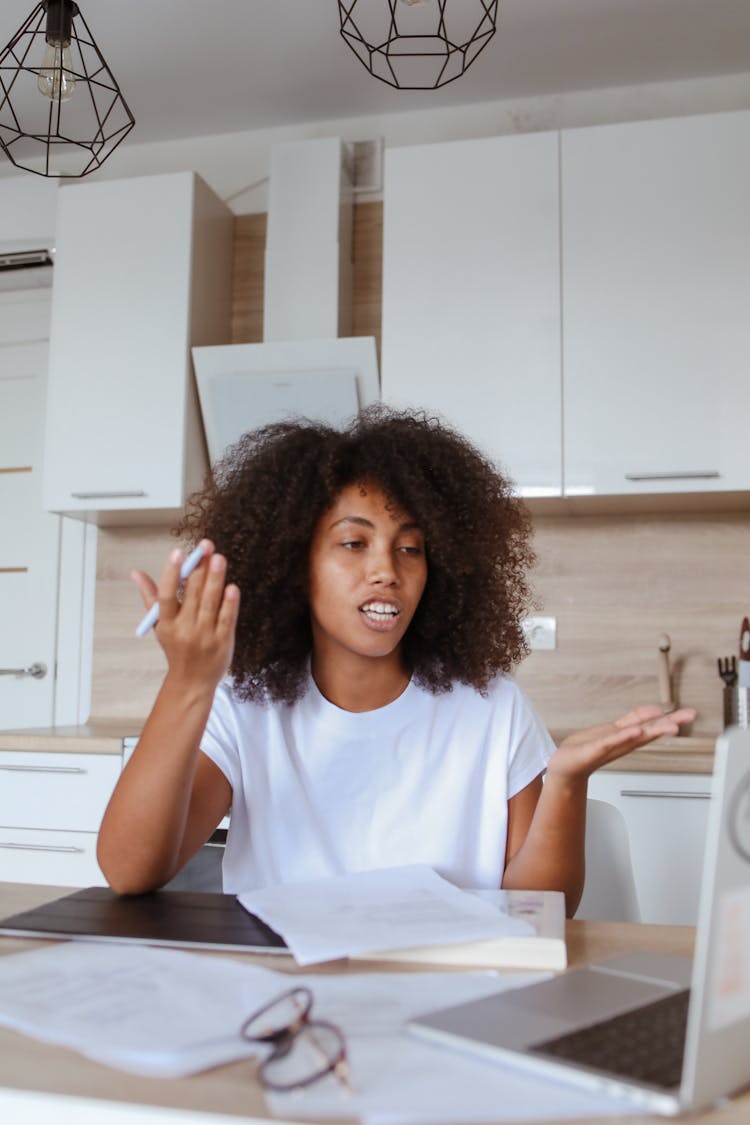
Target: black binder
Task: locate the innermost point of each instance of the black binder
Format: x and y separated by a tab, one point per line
188	919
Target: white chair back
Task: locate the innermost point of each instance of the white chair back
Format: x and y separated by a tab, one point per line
609	893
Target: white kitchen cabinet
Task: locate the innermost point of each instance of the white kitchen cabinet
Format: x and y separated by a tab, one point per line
471	300
51	806
142	273
576	302
656	285
666	816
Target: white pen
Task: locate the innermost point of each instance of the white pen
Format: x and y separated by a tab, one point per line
186	570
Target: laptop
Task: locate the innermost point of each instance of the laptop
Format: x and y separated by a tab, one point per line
671	1035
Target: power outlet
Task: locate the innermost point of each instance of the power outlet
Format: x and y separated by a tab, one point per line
541	633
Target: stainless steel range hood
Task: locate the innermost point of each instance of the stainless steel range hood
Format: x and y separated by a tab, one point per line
308	364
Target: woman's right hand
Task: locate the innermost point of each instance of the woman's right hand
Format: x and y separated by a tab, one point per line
197	632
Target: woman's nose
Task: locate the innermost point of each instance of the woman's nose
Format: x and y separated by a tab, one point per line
382	569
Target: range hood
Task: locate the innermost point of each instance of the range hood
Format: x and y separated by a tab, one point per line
25	267
308	365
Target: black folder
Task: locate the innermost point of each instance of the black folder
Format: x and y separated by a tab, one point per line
189	919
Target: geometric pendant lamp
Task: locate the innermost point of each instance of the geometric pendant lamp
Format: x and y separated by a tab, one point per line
61	110
417	44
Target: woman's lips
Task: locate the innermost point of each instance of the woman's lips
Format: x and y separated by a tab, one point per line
380	615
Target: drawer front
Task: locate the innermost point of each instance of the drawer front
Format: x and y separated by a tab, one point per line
55	791
67	859
667	821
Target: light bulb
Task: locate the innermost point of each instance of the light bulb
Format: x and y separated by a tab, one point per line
56	80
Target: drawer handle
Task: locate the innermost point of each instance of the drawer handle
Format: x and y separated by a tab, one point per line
689	474
663	793
133	494
69	849
43	769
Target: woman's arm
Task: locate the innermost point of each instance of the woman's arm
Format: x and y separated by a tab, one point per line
547	823
170	797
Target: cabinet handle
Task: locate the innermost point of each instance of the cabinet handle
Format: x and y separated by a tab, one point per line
689	474
42	769
663	793
69	849
37	670
134	494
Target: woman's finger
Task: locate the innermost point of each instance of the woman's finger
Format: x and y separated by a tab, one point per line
639	715
168	583
194	582
213	591
146	585
226	621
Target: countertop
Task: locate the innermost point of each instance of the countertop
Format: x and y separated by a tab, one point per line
96	737
686	754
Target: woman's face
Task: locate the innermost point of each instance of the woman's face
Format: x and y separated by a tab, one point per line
367	573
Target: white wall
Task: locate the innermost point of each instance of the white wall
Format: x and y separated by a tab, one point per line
27	209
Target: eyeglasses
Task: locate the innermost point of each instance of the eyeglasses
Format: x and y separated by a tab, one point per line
304	1050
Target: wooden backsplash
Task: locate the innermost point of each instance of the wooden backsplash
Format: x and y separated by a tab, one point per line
615	583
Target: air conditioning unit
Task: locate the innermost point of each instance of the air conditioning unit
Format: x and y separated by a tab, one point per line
25	266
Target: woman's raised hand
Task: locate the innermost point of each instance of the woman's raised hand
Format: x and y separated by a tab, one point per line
197	631
586	750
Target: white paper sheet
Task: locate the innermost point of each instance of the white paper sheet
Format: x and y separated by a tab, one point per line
166	1013
398	1079
391	908
158	1012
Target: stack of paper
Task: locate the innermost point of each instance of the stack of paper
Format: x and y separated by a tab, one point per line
412	914
539	945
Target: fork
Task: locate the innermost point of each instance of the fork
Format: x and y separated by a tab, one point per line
728	669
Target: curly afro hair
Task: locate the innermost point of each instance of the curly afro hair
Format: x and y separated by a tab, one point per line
265	497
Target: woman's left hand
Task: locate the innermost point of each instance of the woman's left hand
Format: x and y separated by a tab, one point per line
582	753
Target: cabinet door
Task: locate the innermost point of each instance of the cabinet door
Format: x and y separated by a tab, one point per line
667	818
656	280
471	303
30	543
140	263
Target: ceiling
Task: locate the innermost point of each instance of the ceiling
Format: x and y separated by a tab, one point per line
192	67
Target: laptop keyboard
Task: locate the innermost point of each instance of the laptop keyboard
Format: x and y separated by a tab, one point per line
646	1044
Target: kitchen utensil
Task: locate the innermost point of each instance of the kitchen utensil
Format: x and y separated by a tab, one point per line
736	706
745	653
728	669
665	676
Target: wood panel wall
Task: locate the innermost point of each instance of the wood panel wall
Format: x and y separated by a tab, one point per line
615	583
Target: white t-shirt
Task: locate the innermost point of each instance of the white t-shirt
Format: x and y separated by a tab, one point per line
318	791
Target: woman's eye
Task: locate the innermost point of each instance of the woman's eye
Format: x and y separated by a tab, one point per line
410	549
353	544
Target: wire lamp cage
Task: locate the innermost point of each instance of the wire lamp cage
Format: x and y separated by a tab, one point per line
61	110
417	44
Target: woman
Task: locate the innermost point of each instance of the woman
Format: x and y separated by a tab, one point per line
369	719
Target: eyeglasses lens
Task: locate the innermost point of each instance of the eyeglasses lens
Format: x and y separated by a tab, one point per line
312	1052
281	1016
